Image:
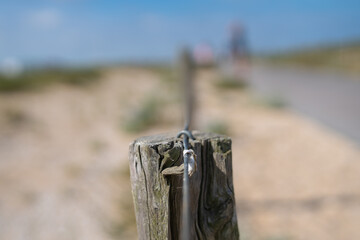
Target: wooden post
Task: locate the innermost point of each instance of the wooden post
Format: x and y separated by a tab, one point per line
155	166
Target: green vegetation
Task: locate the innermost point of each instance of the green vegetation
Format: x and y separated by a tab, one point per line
146	115
219	127
165	72
35	79
143	117
271	101
342	57
230	83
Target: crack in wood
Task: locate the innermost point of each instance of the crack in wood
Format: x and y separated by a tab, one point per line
146	189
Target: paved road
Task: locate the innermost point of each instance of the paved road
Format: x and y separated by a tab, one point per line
331	99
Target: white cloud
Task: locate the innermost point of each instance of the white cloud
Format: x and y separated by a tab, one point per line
45	19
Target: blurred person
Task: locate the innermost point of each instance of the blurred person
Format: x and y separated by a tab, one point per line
239	56
238	46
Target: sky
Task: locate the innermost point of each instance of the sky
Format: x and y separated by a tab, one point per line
90	31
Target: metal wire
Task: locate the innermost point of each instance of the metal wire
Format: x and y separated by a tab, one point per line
185	233
185	203
186	69
186	133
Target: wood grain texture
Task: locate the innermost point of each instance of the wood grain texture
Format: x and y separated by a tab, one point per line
156	177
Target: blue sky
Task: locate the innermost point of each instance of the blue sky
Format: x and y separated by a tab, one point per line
104	30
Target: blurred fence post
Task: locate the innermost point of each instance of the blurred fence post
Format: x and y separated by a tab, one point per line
156	164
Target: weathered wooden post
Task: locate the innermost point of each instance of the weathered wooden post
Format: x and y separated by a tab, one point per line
156	164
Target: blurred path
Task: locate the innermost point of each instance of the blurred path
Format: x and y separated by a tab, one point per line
332	99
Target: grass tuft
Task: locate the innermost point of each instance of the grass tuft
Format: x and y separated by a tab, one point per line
144	117
230	83
272	101
344	57
36	79
219	127
165	72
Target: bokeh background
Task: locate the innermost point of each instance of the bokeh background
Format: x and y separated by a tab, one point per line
81	79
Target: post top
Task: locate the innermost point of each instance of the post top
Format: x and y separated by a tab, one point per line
169	137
